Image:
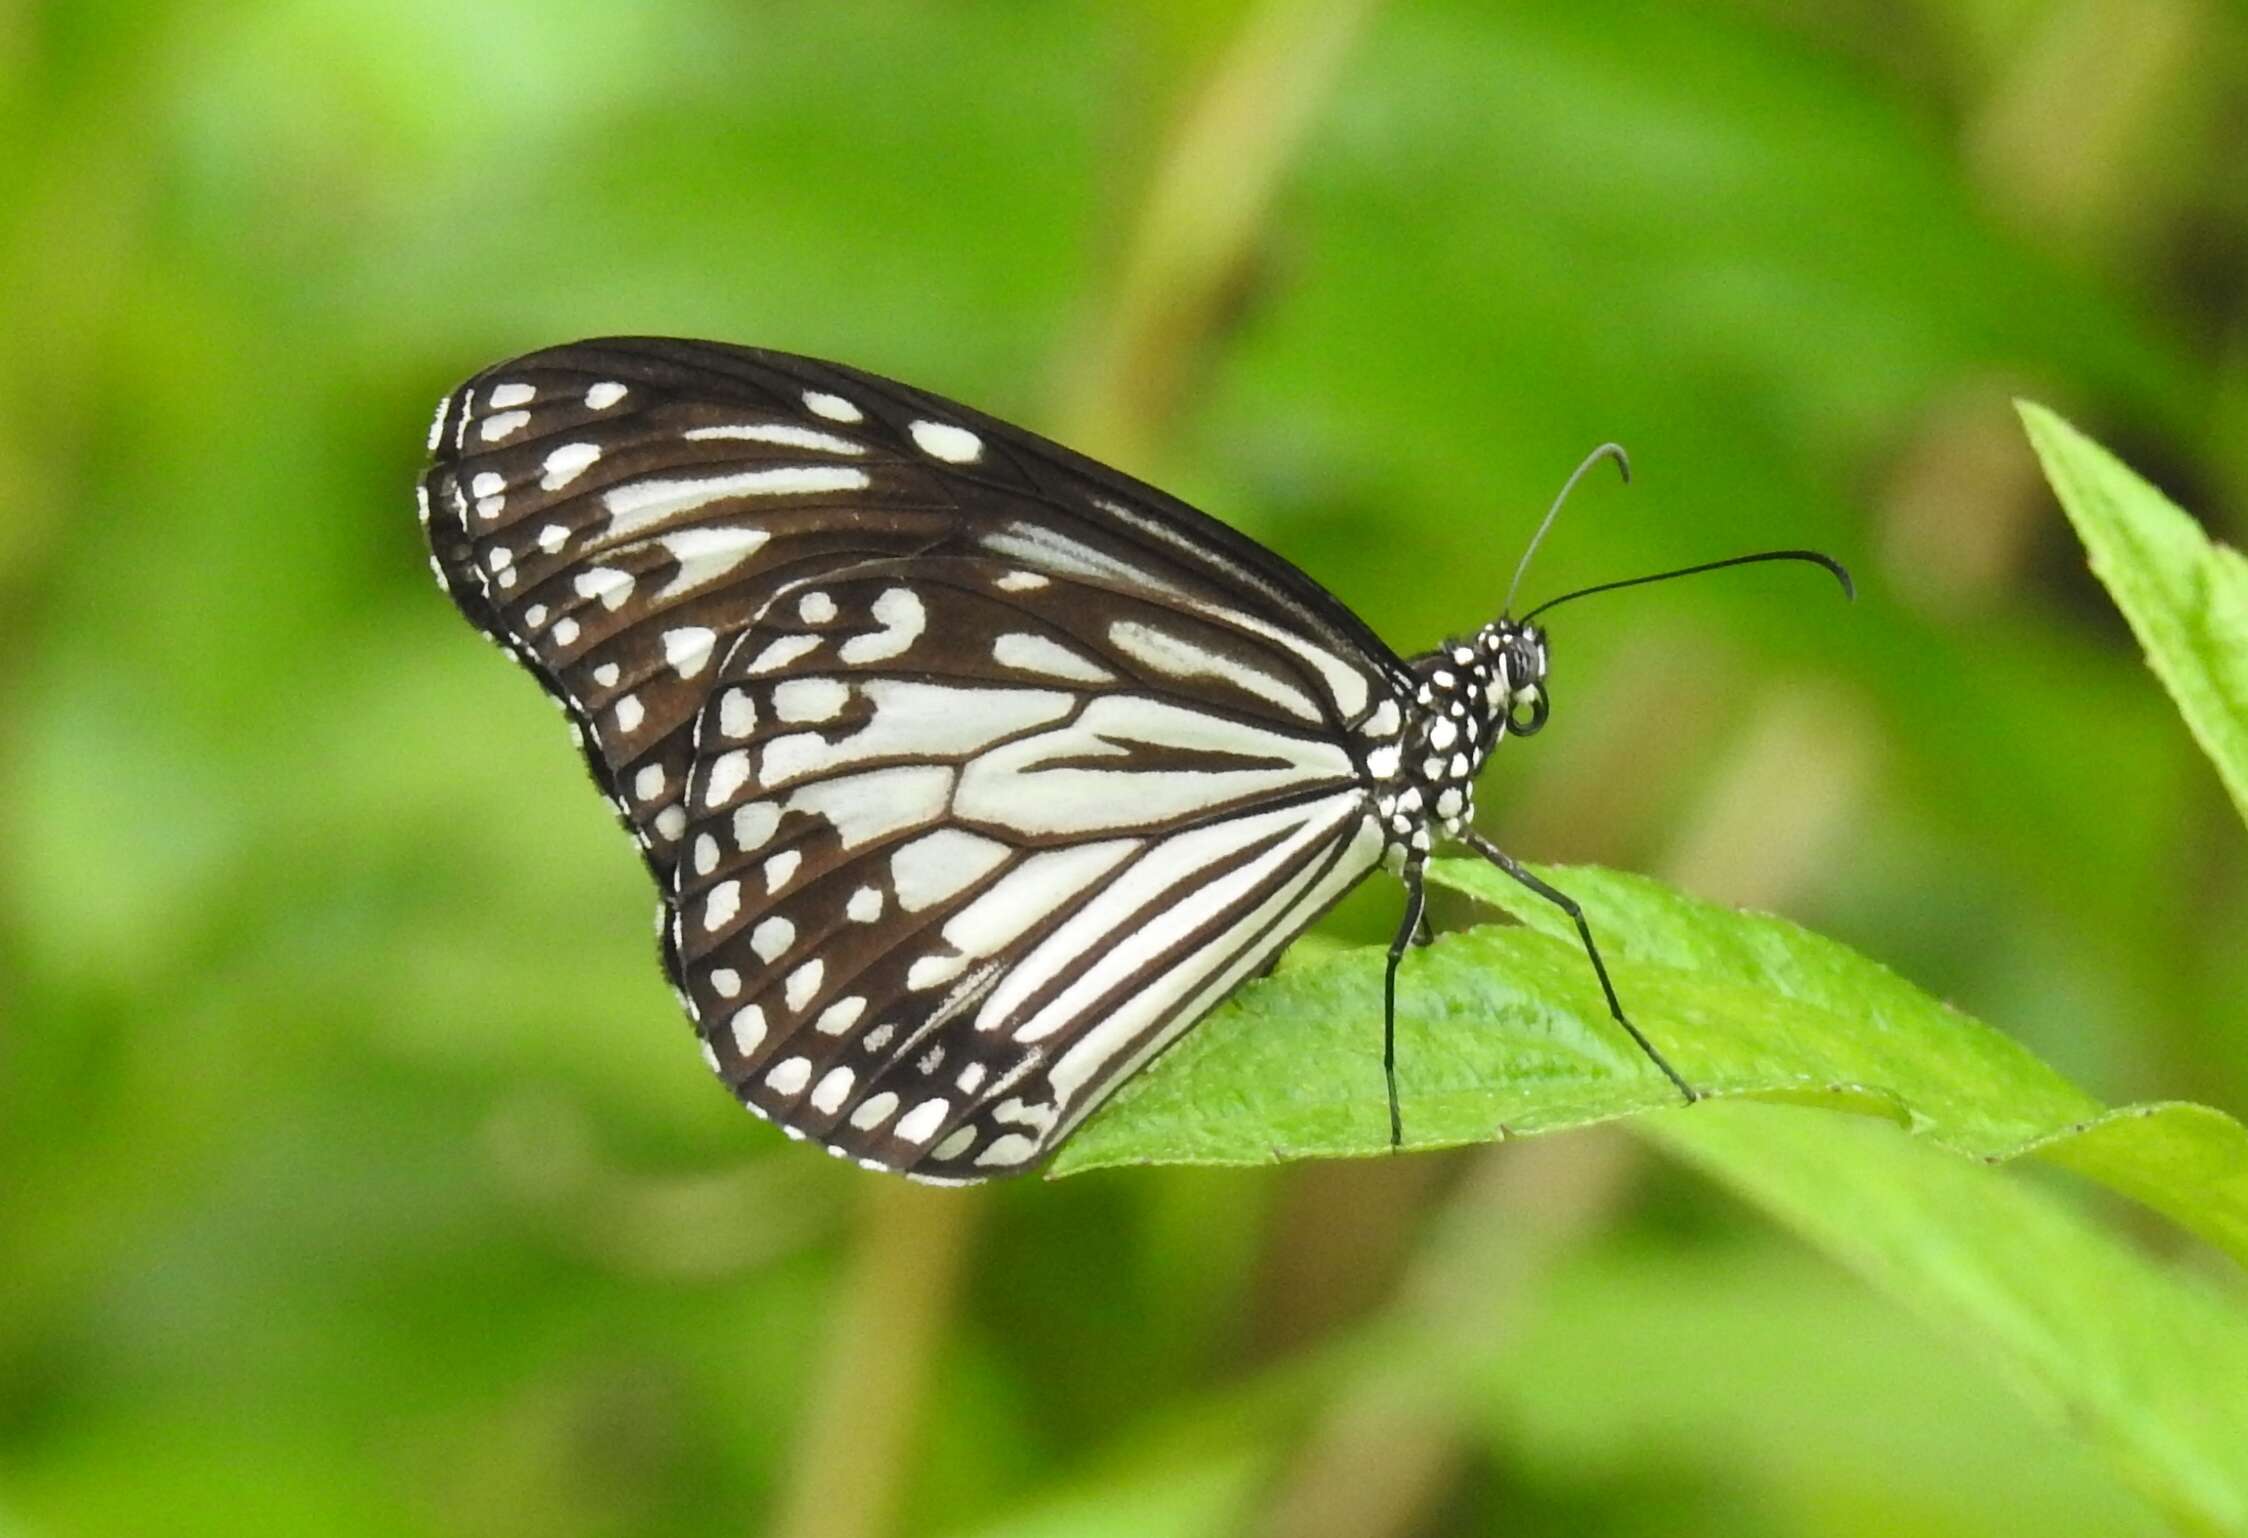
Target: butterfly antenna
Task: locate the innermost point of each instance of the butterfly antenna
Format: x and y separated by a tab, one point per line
1834	567
1614	451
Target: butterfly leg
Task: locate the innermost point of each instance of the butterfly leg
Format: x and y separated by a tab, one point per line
1568	905
1416	911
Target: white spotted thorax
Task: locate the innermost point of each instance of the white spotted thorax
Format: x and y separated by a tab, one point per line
1469	694
971	773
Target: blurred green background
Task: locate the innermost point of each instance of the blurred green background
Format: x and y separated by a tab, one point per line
357	1174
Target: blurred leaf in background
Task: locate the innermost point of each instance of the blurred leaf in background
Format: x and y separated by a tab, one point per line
357	1173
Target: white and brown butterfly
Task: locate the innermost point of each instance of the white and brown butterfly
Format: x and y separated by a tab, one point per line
971	771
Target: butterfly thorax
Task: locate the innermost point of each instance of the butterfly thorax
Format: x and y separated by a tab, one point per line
1468	693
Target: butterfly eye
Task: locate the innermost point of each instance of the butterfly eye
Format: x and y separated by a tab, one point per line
1528	719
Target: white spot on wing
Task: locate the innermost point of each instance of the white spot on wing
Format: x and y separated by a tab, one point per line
937	865
874	1111
840	1016
834	1088
754	823
724	902
706	554
780	867
804	982
789	1075
784	651
749	1029
687	649
495	429
901	617
929	971
567	463
507	396
922	1122
728	773
865	807
1037	654
942	440
783	433
810	699
772	938
606	583
1013	1148
834	407
604	395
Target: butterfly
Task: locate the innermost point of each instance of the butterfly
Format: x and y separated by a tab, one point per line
971	772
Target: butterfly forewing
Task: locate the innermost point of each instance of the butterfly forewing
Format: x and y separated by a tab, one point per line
614	532
972	771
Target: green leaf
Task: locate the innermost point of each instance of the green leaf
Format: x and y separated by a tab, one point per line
2149	1364
1503	1031
2185	596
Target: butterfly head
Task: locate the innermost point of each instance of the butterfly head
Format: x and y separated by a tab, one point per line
1513	654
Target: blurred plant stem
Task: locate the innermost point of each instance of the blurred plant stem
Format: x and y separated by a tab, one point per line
1206	208
896	1307
1195	233
1380	1458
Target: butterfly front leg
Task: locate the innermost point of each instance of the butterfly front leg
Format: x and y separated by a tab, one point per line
1568	905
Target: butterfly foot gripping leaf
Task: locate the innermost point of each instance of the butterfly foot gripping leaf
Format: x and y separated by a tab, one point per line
972	772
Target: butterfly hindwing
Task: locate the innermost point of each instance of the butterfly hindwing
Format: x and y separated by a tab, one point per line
961	850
